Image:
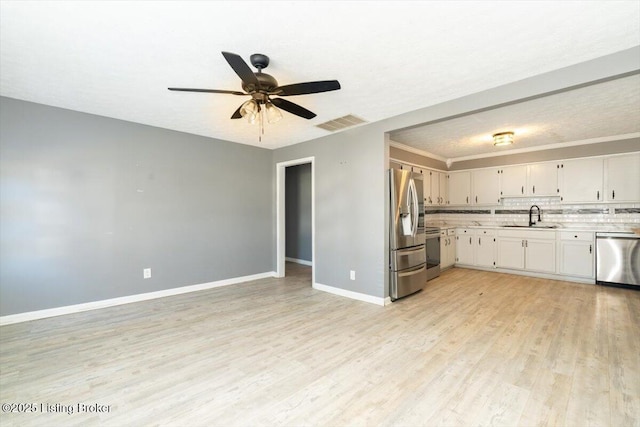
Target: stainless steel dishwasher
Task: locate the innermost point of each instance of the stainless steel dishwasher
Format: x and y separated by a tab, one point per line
618	259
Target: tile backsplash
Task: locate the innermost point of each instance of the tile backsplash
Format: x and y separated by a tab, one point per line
516	211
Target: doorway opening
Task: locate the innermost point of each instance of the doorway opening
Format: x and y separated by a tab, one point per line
295	233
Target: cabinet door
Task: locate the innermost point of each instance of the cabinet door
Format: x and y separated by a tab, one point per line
485	250
443	249
510	253
464	249
543	179
581	180
576	258
435	187
623	178
426	187
486	186
540	255
460	188
513	181
451	249
444	188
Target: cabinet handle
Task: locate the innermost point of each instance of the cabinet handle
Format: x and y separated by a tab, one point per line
476	199
526	243
479	241
522	190
598	194
469	239
590	248
613	195
522	243
467	199
534	189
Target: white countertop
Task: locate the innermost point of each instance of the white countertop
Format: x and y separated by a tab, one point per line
621	227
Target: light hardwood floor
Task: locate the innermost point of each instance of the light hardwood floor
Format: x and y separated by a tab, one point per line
473	348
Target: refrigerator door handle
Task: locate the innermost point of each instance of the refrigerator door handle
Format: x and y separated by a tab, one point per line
414	199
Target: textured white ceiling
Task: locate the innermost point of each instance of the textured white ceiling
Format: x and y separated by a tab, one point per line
116	59
597	111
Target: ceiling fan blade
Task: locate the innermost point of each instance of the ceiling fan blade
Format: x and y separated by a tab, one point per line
236	114
293	108
241	68
307	88
232	92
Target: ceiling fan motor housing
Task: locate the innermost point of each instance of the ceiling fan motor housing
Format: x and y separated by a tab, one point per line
267	83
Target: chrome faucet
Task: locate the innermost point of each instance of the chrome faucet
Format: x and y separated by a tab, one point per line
531	221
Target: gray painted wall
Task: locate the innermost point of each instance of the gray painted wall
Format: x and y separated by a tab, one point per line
349	207
298	212
87	202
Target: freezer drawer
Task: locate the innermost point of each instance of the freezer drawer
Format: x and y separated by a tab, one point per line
618	258
407	282
409	257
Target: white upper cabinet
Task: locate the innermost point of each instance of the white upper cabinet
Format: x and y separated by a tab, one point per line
444	188
513	181
580	180
439	188
543	179
622	179
426	182
460	188
538	179
434	178
485	186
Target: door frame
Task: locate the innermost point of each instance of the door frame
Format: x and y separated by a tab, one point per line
280	214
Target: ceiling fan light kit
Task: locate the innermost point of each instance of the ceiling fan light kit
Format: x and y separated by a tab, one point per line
503	138
261	86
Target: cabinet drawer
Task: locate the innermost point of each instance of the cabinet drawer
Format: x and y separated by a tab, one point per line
576	235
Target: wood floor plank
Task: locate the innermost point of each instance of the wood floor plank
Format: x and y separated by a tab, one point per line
473	348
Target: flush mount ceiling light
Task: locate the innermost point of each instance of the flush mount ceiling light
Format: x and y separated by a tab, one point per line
503	138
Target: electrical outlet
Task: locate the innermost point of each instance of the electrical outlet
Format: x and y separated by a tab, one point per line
352	275
146	273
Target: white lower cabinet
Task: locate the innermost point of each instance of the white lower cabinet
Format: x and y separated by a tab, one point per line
475	247
576	252
464	246
486	248
510	252
527	250
447	248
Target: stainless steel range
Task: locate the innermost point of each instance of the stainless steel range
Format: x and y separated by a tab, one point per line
432	243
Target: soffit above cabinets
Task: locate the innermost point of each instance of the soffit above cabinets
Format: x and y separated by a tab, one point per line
610	109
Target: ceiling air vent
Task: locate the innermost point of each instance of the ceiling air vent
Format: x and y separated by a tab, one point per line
341	123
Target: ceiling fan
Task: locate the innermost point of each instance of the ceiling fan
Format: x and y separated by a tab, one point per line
261	87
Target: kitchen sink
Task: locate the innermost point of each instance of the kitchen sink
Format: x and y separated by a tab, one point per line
529	226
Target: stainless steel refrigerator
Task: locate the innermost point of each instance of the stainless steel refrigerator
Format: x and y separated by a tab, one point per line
407	264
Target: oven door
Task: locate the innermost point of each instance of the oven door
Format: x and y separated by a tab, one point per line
433	255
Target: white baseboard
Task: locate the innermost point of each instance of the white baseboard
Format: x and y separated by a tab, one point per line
299	261
350	294
94	305
387	301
